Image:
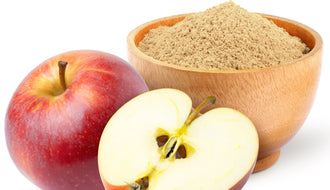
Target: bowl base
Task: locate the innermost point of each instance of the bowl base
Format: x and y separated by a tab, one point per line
267	161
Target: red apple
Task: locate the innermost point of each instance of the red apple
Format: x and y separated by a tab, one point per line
56	117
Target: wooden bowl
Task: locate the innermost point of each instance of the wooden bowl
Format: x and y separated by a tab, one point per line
277	99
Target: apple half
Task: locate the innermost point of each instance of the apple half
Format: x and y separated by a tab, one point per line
156	141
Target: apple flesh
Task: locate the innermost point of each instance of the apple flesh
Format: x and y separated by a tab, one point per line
54	121
156	142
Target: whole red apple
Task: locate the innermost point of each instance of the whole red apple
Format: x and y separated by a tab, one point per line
57	114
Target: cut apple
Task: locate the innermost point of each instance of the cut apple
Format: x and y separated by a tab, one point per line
155	141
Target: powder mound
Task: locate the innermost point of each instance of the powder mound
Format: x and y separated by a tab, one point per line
224	37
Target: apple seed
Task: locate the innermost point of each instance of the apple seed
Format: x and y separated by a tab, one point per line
161	140
181	152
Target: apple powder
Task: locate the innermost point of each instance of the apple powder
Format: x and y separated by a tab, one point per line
224	37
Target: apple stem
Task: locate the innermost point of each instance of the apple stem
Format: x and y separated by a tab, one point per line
61	68
194	114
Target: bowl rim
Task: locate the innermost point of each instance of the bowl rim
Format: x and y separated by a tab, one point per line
132	46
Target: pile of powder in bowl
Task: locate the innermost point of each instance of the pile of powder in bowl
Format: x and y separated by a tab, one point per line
224	37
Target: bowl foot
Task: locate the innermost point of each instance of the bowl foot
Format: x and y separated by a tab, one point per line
267	161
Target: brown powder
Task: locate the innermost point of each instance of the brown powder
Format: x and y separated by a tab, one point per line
225	37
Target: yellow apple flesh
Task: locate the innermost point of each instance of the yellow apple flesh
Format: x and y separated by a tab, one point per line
220	147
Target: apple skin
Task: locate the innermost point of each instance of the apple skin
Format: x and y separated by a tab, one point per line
108	186
53	137
240	184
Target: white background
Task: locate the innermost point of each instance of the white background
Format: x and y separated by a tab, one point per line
33	31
